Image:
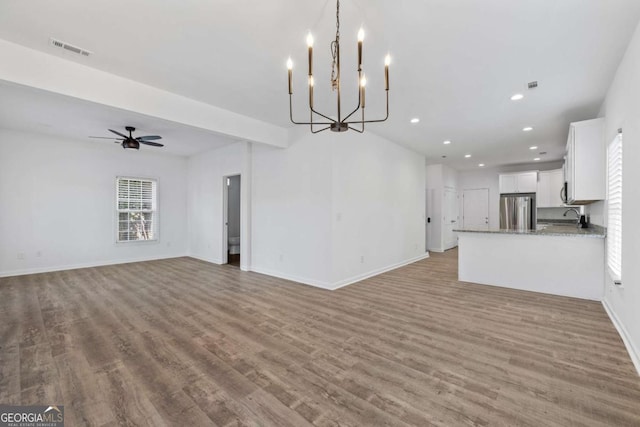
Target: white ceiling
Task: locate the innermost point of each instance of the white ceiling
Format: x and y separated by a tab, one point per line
28	109
455	63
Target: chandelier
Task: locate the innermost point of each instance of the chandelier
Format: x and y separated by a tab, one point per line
341	124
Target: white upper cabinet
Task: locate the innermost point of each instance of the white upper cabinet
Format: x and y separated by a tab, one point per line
527	182
508	184
521	182
550	185
585	162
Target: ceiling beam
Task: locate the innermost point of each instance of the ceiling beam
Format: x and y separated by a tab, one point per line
40	70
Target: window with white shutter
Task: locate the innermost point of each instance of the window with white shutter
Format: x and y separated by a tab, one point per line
136	209
614	210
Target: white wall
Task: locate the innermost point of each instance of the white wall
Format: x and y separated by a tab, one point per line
441	176
329	200
58	198
488	178
329	210
378	205
291	210
450	177
622	110
205	204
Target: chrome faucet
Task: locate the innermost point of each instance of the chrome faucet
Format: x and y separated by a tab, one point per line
578	214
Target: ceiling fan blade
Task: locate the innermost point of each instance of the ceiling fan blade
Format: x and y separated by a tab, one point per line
104	137
148	137
155	144
118	133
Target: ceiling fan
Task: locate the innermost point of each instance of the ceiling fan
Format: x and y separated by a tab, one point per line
130	141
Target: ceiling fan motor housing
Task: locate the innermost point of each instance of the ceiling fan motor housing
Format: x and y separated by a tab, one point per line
131	143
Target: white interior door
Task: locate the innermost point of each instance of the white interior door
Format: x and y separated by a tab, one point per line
475	209
449	218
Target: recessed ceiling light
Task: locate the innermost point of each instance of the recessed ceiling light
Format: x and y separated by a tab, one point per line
481	165
415	120
527	129
533	147
536	159
517	97
467	155
447	142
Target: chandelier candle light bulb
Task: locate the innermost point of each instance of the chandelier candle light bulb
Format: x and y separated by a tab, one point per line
340	123
387	61
360	40
290	71
310	45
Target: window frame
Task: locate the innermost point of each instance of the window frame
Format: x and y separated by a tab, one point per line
155	210
614	233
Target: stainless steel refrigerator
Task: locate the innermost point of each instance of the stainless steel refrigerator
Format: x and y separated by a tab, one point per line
518	211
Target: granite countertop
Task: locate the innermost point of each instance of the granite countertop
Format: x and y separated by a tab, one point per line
549	229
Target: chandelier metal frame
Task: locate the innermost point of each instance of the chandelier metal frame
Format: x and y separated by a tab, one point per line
341	124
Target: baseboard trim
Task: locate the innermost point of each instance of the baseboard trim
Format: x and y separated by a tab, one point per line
293	278
205	259
527	289
342	283
84	265
218	261
634	354
364	276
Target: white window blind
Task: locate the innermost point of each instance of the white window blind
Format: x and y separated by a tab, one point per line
136	206
614	210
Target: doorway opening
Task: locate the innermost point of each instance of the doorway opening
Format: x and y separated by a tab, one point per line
231	238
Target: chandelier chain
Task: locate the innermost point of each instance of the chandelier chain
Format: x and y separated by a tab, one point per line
340	122
334	50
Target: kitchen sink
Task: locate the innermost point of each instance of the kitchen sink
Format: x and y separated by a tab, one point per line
559	228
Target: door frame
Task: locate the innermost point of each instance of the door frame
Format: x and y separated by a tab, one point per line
225	217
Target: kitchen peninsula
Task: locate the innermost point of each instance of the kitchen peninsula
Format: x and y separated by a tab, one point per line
555	259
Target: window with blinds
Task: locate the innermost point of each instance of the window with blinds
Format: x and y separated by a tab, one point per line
136	209
614	210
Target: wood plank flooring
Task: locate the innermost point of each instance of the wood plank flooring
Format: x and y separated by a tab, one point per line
185	343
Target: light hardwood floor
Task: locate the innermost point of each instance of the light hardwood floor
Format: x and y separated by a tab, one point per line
186	343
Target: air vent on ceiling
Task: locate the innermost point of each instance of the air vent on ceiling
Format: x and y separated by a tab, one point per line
70	47
532	85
